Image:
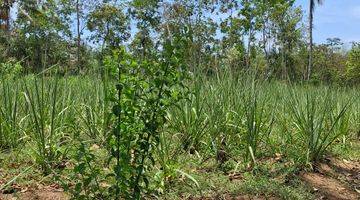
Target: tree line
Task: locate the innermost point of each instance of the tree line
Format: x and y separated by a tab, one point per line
270	37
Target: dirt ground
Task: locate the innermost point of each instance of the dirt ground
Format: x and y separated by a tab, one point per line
335	179
36	195
332	179
50	192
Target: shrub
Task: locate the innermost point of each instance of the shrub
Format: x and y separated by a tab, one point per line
144	92
353	64
319	121
10	69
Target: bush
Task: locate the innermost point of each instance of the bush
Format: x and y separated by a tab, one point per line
353	65
145	90
319	120
10	69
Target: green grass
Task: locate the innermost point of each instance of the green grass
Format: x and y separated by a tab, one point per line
320	119
227	125
267	180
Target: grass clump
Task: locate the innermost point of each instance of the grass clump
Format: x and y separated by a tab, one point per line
320	120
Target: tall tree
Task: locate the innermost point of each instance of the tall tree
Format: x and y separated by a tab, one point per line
78	14
5	6
81	9
353	64
109	25
43	27
186	19
147	16
287	31
311	19
5	37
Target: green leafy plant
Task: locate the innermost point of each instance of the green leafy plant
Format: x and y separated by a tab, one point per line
258	120
319	121
85	179
189	121
10	119
144	92
10	69
45	113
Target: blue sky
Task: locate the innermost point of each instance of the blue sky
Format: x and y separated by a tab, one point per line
335	18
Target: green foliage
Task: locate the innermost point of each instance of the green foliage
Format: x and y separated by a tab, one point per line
43	27
264	185
189	121
329	62
145	126
109	24
86	176
319	120
353	64
145	90
224	115
10	122
10	70
258	120
268	36
46	112
209	131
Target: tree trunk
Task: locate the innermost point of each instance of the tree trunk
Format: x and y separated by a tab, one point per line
284	63
8	19
5	16
78	35
311	17
38	64
248	59
265	38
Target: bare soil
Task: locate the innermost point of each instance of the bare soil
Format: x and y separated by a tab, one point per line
335	179
332	179
51	192
237	197
35	195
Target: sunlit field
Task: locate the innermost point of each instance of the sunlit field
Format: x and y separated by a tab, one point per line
231	136
179	99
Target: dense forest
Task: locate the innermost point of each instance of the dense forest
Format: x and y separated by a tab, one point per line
175	99
268	36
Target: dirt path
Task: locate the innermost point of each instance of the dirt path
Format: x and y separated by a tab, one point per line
335	179
50	192
35	195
